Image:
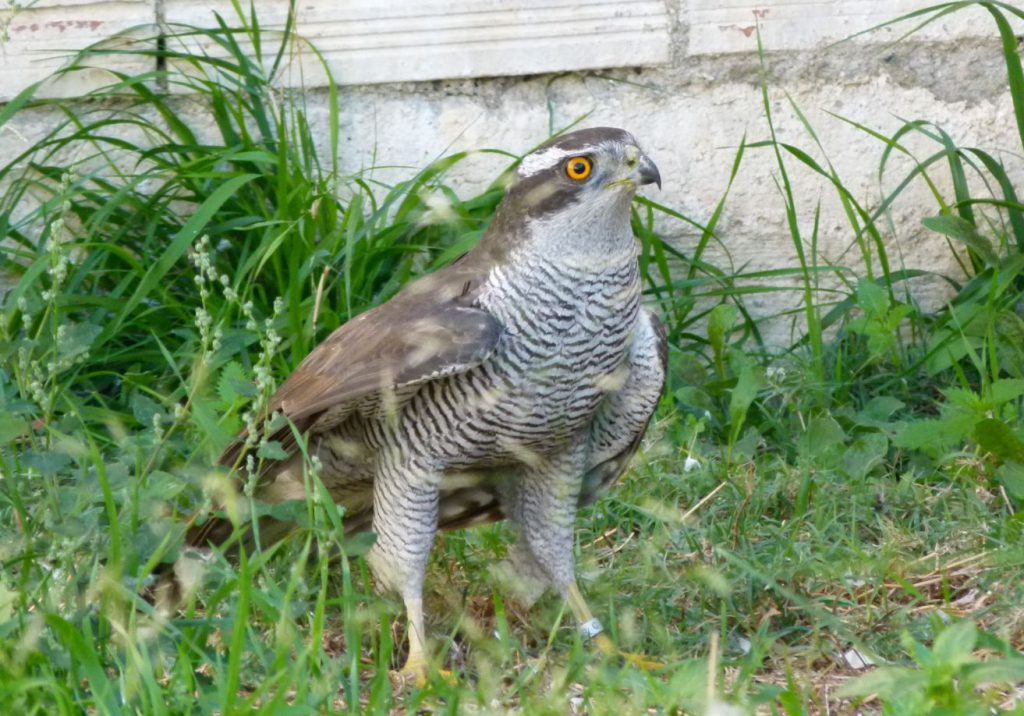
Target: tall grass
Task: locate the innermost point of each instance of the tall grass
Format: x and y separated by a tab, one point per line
790	503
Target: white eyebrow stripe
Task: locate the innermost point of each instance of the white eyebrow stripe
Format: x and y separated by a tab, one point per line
547	158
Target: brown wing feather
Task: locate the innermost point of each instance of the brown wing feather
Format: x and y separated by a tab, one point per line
430	329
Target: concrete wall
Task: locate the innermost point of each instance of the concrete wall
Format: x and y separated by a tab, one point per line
691	103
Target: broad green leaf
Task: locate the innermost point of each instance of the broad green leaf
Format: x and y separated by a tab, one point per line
954	644
218	430
886	682
234	384
47	462
948	347
878	410
748	443
872	298
1005	390
1010	329
119	476
998	672
162	485
823	435
959	229
359	544
720	321
145	409
1011	477
865	453
1008	352
271	450
998	438
695	397
748	383
287	511
935	435
76	338
12	427
963	398
687	369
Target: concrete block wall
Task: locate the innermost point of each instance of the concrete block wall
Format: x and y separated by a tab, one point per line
684	77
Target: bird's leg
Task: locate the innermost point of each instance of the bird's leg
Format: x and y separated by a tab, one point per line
417	663
405	504
543	503
520	575
590	628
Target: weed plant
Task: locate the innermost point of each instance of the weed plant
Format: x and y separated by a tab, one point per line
795	515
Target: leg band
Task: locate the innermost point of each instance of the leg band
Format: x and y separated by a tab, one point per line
590	628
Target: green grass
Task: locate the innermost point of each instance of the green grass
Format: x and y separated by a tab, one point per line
858	493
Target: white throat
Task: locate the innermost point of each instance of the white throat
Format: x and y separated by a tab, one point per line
588	232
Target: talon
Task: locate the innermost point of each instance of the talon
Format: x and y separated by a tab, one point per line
607	647
411	675
641	661
417	674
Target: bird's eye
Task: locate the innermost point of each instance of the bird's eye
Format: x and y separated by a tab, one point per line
578	168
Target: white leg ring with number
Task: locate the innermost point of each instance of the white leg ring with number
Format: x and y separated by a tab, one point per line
590	628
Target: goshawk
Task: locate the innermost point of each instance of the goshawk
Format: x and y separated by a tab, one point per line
514	384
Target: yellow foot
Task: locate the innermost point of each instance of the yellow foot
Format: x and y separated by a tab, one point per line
418	674
640	661
410	676
604	643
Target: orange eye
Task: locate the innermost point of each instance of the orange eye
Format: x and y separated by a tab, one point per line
578	168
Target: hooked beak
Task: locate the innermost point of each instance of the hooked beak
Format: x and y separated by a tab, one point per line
647	171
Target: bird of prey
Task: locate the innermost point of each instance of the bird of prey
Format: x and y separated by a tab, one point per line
514	384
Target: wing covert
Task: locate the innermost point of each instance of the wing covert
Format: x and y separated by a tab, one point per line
428	331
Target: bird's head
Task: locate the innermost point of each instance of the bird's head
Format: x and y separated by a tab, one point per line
580	183
598	164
